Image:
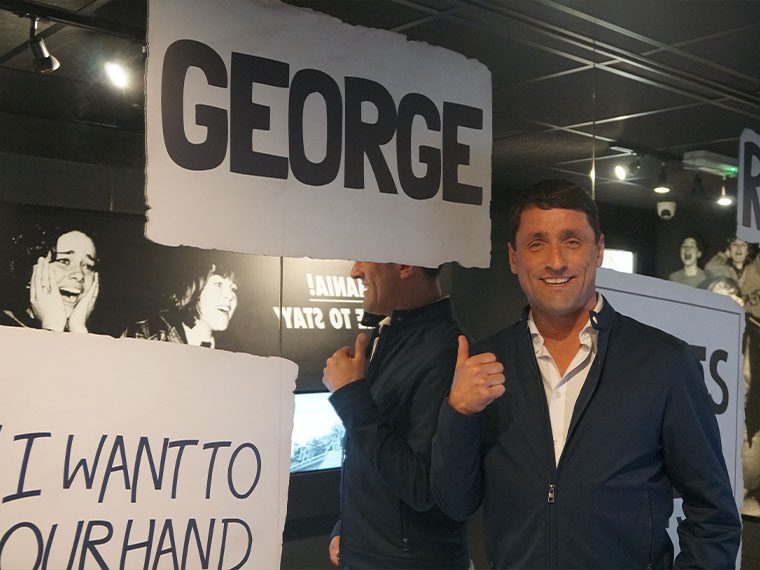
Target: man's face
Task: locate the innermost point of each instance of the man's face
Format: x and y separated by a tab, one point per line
218	302
73	268
690	252
381	283
738	251
555	258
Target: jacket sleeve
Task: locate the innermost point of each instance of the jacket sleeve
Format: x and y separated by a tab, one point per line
336	530
710	533
456	476
402	462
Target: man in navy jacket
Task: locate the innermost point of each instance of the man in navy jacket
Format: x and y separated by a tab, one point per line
389	406
576	456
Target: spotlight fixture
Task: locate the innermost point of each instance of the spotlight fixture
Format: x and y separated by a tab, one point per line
662	181
117	74
724	199
44	63
623	171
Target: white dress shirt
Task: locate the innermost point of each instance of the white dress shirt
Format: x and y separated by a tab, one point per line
562	390
380	326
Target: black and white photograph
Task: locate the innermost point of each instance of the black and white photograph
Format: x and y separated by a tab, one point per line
93	272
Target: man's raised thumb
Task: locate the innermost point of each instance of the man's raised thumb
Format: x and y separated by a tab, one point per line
463	353
362	340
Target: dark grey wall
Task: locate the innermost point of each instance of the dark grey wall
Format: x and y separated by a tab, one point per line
45	181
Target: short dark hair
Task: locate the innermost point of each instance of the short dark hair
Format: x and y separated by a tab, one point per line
727	282
551	194
432	272
697	240
732	238
187	299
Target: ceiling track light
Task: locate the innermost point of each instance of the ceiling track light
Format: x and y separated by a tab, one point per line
44	63
117	74
623	171
662	181
724	199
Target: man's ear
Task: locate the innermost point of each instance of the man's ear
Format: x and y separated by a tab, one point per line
407	271
512	258
600	251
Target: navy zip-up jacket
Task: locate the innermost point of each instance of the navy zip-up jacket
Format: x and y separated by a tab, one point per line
388	516
643	425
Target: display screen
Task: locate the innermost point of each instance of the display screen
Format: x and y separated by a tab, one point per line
619	260
317	434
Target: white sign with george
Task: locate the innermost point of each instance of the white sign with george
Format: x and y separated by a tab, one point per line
130	454
277	130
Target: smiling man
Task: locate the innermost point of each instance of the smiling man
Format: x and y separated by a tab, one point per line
388	392
575	456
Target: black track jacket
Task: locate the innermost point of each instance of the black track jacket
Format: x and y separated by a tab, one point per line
643	424
389	518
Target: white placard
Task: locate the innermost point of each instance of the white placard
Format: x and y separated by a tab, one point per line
277	130
748	187
713	326
131	453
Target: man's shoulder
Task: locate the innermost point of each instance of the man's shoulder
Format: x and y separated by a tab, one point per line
427	338
502	339
439	320
438	337
634	334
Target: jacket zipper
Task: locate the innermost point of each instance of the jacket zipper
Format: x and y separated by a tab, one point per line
344	475
402	526
649	528
551	465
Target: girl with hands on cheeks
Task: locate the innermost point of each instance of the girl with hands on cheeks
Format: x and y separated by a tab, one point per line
63	287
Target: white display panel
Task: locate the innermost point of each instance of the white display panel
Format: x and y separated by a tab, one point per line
277	130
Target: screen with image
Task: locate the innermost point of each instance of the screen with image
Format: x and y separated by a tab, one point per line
317	434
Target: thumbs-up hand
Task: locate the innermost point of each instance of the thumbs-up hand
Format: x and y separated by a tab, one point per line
478	380
346	365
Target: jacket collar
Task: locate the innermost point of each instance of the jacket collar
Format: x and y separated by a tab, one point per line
603	320
434	311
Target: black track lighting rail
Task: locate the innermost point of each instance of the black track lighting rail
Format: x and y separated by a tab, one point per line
90	22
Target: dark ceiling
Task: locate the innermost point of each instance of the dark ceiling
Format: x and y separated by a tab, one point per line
573	80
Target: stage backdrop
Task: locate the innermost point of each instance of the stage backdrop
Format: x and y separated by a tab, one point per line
713	325
277	130
123	453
